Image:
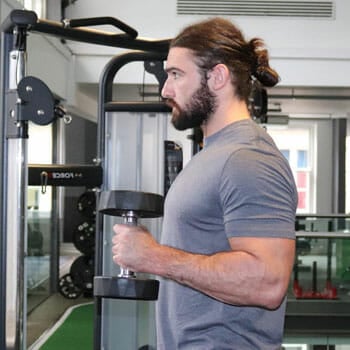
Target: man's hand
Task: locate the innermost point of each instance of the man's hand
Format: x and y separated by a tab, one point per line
133	247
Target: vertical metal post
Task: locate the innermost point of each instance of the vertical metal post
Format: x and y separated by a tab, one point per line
5	43
15	194
339	149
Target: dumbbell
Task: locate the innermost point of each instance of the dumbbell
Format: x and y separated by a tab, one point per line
130	205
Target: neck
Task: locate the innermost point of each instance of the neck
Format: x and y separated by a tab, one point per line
226	113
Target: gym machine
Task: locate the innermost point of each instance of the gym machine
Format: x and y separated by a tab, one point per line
26	98
79	280
129	313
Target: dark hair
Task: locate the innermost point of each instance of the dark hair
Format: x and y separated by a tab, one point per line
216	41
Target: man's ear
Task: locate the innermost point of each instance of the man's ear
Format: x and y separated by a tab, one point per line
219	76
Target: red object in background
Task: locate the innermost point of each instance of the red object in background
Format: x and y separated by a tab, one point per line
301	179
301	200
330	292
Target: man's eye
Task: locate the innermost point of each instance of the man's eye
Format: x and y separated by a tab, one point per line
175	75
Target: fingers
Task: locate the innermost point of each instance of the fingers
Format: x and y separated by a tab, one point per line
119	230
125	229
131	246
116	260
124	243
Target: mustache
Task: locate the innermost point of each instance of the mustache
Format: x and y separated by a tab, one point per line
171	103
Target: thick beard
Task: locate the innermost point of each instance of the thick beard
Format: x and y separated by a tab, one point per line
197	112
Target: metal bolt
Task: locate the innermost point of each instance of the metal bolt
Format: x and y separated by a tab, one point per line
29	88
67	119
40	112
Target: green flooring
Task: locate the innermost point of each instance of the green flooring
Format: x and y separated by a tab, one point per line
75	333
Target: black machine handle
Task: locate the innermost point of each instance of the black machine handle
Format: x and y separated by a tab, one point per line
96	21
20	18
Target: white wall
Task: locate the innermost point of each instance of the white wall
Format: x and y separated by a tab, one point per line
306	52
51	62
47	58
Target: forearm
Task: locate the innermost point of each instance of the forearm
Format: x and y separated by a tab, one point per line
237	278
255	272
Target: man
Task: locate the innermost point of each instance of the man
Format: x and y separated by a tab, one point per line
227	246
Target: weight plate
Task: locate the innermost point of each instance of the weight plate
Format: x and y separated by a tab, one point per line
87	204
84	238
126	288
67	287
82	272
142	204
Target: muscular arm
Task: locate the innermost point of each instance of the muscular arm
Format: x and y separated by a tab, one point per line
258	198
256	271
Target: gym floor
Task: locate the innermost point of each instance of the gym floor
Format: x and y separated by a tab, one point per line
44	316
47	314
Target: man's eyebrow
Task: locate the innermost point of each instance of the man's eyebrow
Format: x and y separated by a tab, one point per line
170	69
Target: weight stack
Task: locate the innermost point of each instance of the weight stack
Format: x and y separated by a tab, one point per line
79	280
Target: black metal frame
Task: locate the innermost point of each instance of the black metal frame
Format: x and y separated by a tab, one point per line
9	42
6	45
67	30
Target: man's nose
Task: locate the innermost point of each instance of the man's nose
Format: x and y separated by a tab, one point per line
166	90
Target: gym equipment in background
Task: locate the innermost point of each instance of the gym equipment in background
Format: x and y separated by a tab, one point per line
123	160
13	148
173	161
79	280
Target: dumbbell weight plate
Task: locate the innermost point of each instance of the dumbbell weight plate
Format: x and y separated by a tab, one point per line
117	203
128	204
126	288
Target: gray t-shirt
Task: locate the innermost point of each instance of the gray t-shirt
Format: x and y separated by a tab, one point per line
238	185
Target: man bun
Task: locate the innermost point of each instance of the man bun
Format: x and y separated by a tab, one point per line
267	76
260	68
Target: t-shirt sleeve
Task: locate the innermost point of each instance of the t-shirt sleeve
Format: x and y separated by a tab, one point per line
258	195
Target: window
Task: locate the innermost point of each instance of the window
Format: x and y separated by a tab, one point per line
295	143
302	158
38	6
285	152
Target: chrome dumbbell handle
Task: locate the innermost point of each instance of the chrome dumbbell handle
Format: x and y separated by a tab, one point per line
129	218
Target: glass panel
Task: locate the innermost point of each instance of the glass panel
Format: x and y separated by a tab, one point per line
319	291
39	246
302	196
301	179
40	226
285	152
302	159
